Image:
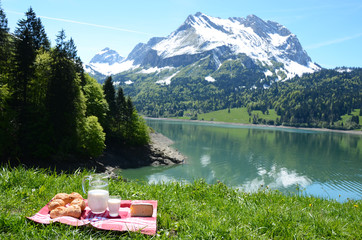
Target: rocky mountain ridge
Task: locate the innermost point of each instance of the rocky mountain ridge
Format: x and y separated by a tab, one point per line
267	44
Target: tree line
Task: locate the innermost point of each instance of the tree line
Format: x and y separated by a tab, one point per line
49	106
313	100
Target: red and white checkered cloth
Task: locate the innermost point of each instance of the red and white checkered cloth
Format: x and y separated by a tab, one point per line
124	222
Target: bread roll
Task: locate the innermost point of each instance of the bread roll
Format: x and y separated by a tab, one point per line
75	195
58	212
56	203
58	206
64	196
73	211
79	202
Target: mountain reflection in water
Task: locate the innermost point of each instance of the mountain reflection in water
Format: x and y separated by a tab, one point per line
323	164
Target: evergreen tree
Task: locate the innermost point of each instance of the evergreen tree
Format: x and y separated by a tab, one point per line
29	38
5	114
121	107
109	93
4	30
4	46
64	99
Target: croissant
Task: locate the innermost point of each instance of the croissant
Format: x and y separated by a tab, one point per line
58	206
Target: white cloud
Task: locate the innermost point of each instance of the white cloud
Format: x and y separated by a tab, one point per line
85	23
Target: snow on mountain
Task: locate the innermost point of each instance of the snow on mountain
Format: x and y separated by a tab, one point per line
266	43
107	62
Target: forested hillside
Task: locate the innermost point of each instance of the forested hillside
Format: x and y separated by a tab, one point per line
49	106
313	100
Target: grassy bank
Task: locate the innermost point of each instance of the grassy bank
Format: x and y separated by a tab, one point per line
241	115
237	115
185	210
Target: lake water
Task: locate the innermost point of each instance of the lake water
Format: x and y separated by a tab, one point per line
322	164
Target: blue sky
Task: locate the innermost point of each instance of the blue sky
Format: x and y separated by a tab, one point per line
329	30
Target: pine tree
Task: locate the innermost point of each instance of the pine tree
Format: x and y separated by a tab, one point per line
4	30
121	107
4	44
30	38
64	99
109	94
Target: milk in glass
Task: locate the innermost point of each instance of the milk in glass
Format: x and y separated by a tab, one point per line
114	202
97	200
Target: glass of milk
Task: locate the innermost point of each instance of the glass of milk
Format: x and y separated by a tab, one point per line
114	203
97	192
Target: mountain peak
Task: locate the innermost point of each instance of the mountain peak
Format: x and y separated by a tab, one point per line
200	36
108	56
105	62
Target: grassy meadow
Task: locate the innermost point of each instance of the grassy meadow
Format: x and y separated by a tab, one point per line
240	115
194	210
236	115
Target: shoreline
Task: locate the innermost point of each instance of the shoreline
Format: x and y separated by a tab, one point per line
158	152
261	125
117	156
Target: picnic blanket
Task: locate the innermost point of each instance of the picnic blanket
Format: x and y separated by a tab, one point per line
124	222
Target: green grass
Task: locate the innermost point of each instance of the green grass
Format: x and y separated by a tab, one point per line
185	210
236	115
348	116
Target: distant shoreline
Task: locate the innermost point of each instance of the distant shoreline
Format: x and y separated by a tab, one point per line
262	125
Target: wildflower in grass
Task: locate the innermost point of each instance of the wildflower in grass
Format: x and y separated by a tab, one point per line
310	204
356	206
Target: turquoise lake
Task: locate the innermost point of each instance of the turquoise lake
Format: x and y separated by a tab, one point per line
318	163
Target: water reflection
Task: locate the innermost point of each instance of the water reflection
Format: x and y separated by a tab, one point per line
276	179
205	160
324	164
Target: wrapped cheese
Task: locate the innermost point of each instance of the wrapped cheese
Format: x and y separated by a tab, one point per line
141	210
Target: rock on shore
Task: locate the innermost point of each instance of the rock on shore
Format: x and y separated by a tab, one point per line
157	152
117	156
162	153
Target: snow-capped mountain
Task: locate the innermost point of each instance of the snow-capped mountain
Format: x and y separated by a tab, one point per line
201	35
265	44
106	62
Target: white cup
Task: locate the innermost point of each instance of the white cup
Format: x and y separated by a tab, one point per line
114	203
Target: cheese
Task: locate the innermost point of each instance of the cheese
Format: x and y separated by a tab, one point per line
141	210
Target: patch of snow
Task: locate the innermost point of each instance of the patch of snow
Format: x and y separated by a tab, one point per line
106	69
128	82
294	68
103	51
278	40
268	73
210	79
154	69
266	86
167	80
342	70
